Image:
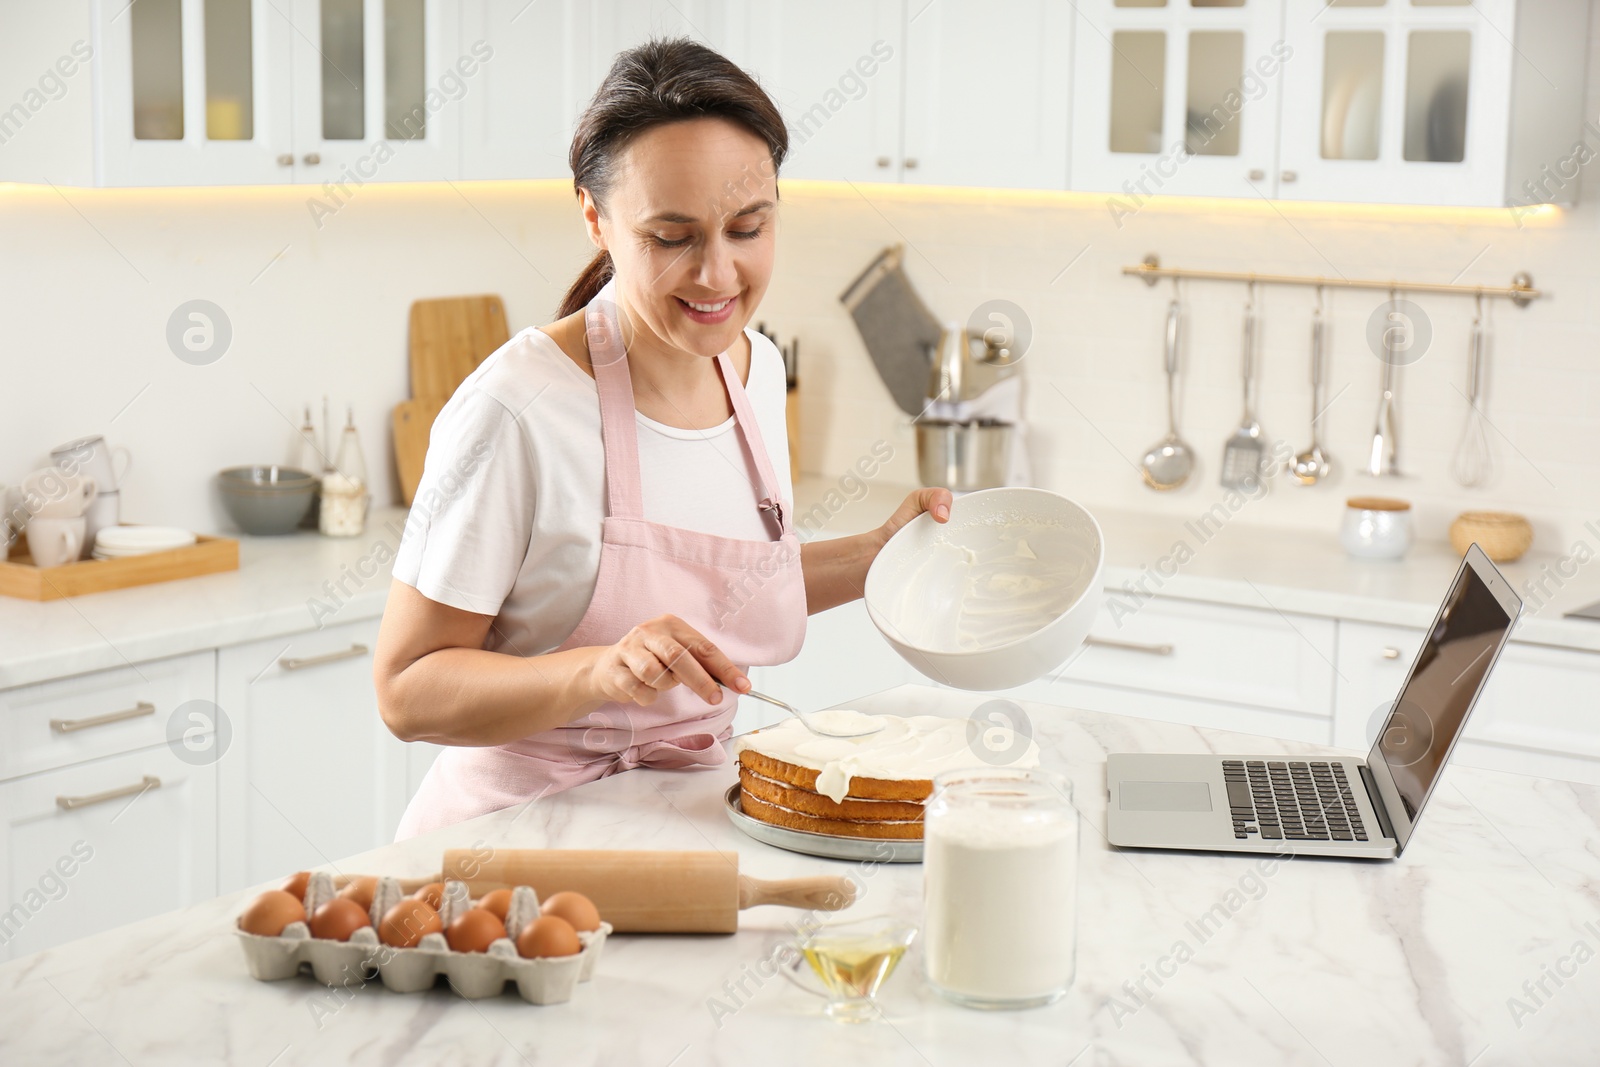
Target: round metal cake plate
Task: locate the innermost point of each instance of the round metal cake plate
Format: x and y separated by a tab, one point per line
882	849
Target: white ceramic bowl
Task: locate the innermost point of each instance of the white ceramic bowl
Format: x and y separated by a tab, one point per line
998	596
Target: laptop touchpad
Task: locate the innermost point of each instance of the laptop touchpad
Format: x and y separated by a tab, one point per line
1164	796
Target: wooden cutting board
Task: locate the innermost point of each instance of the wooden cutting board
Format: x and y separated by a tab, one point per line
449	338
413	421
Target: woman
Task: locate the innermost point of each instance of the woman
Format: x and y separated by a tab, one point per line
603	537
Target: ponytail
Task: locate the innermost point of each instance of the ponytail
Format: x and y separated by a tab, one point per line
590	282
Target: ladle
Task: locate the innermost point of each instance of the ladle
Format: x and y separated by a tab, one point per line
1169	464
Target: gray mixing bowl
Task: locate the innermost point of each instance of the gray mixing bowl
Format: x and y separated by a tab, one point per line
267	500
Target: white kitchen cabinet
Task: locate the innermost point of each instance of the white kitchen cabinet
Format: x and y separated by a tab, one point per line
1176	98
1385	101
1535	715
192	92
546	61
103	843
836	70
1212	665
987	98
312	774
103	713
378	86
252	92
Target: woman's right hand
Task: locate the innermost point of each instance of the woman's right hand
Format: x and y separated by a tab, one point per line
657	655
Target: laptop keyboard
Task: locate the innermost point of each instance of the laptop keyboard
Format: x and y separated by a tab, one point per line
1286	800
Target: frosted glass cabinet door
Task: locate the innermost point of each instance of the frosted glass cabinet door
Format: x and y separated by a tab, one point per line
193	92
987	98
379	90
1402	102
1176	96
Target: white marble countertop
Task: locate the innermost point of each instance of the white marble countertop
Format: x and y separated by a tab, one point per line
284	585
1472	948
1288	569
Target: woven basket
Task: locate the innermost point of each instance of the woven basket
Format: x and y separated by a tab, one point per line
1503	535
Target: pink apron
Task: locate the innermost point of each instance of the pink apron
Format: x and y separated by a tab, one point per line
746	597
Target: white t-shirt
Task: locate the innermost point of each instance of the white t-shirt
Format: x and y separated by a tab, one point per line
507	518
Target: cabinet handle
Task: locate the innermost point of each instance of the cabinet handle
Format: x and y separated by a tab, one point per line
1129	646
1390	652
67	726
911	163
286	159
1256	174
297	663
311	159
1289	176
883	161
149	781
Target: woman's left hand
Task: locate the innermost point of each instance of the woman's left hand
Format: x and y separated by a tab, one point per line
934	501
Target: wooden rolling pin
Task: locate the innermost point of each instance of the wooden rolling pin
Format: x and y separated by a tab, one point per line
647	891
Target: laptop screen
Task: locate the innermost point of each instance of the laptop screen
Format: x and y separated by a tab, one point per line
1444	682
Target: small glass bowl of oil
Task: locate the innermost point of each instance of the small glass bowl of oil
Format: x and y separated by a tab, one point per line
852	959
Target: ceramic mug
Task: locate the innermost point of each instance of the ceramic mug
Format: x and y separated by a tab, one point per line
1376	527
52	493
9	529
94	457
52	542
105	511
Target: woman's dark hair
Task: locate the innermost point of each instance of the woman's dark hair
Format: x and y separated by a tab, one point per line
658	82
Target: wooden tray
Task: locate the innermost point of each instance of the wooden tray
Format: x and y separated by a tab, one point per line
20	578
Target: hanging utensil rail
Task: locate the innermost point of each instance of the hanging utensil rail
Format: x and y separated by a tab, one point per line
1520	292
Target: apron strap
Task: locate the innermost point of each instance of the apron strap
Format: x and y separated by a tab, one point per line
745	418
619	428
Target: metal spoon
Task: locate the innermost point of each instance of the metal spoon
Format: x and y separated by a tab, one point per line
1169	464
805	721
1312	466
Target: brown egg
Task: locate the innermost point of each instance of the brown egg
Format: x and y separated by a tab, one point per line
295	884
338	919
269	913
548	936
474	931
576	908
360	890
433	893
408	922
498	902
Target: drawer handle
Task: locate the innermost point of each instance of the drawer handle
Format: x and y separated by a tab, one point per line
297	663
1130	646
67	726
1390	652
149	781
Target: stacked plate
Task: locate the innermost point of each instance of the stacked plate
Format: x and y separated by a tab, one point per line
115	542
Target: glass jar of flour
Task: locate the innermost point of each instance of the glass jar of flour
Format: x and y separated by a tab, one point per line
1000	858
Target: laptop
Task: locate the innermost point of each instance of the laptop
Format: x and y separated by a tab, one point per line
1332	805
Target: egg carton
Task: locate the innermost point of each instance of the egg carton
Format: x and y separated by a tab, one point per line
473	975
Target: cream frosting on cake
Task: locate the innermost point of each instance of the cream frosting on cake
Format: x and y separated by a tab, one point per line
908	748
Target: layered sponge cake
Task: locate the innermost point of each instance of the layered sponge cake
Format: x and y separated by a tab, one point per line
872	786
